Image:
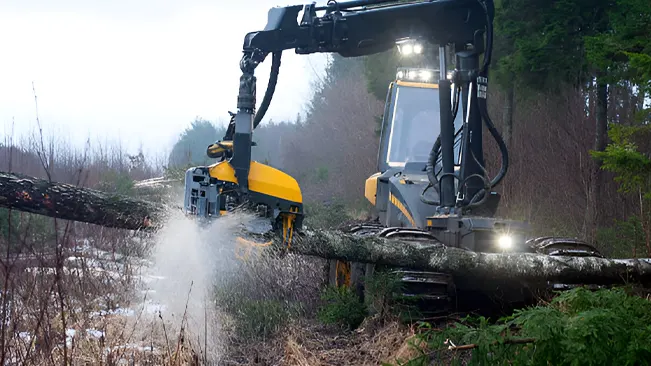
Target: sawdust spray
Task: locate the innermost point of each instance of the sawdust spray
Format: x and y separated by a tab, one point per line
187	258
193	260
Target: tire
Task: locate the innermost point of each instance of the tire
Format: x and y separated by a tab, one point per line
350	274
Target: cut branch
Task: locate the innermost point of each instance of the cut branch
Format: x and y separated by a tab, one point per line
465	347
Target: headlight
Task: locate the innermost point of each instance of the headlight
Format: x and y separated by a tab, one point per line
418	48
505	242
407	49
416	74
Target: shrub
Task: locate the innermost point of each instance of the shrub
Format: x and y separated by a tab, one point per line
342	306
255	319
578	327
263	294
624	239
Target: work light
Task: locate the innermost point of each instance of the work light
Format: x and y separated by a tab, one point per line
416	74
409	47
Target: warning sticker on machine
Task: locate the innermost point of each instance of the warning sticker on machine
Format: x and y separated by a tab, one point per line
482	87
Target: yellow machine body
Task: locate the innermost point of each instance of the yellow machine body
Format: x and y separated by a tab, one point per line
263	179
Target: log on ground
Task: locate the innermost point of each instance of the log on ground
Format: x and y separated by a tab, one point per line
472	266
69	202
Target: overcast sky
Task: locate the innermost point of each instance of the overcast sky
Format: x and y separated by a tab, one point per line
138	70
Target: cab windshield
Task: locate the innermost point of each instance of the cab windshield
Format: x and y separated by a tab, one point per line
415	125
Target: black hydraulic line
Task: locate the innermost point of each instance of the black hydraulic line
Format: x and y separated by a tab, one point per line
435	152
433	158
266	100
425	200
271	88
503	150
489	37
482	192
483	104
483	108
447	192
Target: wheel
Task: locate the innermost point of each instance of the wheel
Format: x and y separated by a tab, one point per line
349	274
339	273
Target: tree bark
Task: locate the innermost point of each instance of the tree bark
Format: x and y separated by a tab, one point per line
68	202
507	120
601	116
467	265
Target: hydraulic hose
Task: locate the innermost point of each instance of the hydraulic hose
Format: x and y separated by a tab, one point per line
489	39
483	108
271	88
434	153
266	100
431	162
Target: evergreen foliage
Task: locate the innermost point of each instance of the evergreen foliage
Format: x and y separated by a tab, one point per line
190	149
578	327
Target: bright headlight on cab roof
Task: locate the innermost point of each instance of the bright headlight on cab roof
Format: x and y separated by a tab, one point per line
505	242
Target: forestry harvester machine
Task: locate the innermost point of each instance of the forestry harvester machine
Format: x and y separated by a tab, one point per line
431	185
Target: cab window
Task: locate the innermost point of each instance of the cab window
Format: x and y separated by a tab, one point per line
415	124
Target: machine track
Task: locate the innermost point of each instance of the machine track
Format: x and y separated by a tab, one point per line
432	293
567	247
435	293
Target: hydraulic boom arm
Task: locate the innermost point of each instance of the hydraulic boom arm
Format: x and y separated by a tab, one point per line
350	29
359	28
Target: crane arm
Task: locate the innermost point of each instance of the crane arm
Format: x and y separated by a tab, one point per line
353	29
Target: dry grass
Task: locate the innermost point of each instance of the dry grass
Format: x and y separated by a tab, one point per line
87	312
308	343
71	292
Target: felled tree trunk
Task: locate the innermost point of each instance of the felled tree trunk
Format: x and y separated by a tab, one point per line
472	266
68	202
85	205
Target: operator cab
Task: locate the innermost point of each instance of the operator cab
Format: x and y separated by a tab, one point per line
411	122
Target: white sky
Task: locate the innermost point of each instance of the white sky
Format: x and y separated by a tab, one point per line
137	70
